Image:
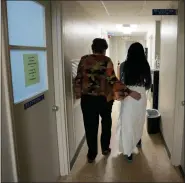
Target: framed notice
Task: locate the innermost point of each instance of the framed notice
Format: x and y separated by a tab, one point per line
31	69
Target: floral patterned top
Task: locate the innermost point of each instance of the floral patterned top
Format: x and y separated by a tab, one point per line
96	76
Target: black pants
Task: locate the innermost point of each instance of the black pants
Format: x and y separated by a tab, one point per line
92	107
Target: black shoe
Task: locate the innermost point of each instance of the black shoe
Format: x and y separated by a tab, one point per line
106	152
90	159
130	158
139	144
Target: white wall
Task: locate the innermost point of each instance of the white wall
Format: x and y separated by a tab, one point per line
168	77
150	44
118	48
78	32
157	39
104	35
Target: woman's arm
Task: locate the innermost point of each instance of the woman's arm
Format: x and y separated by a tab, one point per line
119	88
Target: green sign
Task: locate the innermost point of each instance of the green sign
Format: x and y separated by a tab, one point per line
31	69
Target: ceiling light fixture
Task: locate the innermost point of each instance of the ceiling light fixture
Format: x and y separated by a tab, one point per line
127	28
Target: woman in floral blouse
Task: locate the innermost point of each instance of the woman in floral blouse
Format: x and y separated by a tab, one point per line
97	85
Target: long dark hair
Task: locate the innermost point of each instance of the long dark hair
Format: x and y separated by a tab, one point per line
136	70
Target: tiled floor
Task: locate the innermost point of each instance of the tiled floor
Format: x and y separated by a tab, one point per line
151	164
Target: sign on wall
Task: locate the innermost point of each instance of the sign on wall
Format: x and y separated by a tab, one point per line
164	12
31	69
33	102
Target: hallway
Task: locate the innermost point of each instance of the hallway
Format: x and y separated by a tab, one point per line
42	123
150	165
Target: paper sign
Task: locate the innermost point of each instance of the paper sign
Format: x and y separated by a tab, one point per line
31	69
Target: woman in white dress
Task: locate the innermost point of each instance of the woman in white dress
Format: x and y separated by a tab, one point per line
137	76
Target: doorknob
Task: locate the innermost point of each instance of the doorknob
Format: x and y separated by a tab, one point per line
55	108
183	103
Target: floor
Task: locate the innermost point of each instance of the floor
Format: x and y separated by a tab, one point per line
151	163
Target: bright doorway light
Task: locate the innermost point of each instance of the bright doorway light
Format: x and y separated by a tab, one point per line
119	26
127	30
133	26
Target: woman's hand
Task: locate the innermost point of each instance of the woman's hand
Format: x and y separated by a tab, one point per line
135	95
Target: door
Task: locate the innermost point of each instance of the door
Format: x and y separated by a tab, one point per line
181	54
178	141
31	65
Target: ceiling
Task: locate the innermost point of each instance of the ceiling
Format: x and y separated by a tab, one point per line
110	13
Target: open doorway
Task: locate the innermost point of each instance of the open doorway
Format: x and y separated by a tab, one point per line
113	14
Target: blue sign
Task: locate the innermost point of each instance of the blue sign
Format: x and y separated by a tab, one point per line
33	102
164	12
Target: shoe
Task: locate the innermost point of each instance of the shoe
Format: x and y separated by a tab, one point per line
130	158
90	159
106	152
139	144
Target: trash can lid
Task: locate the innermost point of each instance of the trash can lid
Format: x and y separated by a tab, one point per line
153	113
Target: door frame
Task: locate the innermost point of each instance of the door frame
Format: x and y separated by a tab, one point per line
59	84
59	80
178	134
8	92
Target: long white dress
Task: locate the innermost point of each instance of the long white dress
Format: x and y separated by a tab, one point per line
131	121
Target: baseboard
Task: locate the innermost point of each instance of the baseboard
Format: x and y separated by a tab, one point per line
182	172
77	152
165	145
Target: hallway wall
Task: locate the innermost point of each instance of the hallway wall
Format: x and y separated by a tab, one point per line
78	32
150	44
157	41
104	35
167	81
118	47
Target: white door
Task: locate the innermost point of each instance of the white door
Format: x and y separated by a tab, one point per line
31	64
181	54
178	141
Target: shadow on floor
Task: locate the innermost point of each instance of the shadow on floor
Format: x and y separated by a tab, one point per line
137	171
156	139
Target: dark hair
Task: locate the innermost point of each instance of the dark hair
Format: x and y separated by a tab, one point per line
136	70
99	45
